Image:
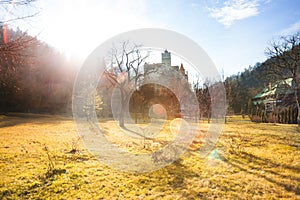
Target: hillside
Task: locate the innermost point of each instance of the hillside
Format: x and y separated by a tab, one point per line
241	88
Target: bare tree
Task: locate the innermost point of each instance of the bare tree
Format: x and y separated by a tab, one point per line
125	73
284	62
204	98
12	9
13	44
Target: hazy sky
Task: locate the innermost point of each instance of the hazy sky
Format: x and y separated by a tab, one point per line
234	33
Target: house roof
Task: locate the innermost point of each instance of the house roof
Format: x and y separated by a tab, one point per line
279	87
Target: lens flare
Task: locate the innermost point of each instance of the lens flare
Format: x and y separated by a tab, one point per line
5	33
158	111
175	126
214	155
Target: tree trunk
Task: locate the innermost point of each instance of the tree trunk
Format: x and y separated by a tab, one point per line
121	116
298	117
121	119
135	109
298	106
208	117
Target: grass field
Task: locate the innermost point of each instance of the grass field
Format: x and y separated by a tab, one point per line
42	158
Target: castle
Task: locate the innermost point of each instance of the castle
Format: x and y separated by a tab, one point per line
164	84
166	62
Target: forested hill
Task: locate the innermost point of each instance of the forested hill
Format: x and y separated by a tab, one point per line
242	87
34	77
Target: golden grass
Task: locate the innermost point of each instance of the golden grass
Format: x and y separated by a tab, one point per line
253	161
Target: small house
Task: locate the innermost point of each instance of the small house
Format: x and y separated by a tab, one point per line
275	103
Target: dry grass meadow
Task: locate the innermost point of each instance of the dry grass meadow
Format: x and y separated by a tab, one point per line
41	157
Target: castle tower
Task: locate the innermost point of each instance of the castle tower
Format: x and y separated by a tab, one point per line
166	58
181	69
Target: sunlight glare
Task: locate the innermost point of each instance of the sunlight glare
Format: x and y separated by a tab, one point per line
78	27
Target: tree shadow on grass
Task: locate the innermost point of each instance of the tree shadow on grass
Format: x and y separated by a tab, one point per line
179	173
171	179
266	161
289	140
260	167
136	133
46	179
13	119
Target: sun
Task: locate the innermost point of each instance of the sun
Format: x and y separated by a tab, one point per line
72	29
76	28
